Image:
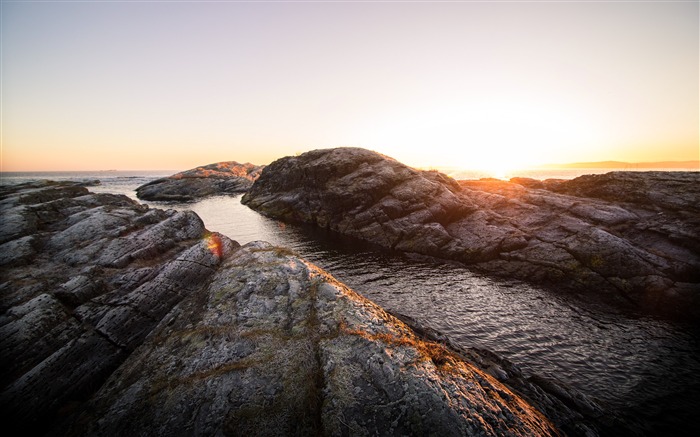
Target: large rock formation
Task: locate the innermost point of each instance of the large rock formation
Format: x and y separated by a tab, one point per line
228	177
85	278
118	319
636	240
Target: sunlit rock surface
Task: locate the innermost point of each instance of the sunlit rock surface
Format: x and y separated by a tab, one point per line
275	346
118	319
633	238
228	177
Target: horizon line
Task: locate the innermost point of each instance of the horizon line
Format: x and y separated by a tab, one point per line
692	164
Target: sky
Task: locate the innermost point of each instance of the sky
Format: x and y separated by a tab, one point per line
135	85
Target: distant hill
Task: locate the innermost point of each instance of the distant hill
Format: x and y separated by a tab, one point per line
681	165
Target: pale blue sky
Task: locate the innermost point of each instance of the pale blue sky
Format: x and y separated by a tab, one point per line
173	85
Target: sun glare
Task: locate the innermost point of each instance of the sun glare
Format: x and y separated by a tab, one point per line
494	137
498	170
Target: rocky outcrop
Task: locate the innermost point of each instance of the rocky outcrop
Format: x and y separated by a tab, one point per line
277	347
228	177
676	192
118	319
85	278
615	242
548	184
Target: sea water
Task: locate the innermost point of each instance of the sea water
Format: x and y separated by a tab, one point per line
643	368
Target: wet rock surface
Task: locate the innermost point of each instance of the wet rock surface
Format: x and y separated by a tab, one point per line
629	238
227	177
118	319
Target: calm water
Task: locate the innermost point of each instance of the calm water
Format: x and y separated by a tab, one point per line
644	368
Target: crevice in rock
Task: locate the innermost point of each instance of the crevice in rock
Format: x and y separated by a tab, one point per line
103	335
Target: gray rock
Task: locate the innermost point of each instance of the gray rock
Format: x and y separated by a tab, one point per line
228	177
631	238
16	252
275	346
83	285
660	190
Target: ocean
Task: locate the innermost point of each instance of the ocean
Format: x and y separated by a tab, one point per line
644	369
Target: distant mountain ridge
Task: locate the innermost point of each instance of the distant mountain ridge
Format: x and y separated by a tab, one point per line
695	165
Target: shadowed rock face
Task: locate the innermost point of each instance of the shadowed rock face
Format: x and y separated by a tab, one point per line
85	278
365	195
635	240
220	178
118	319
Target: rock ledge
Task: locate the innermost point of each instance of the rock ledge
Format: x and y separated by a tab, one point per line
214	179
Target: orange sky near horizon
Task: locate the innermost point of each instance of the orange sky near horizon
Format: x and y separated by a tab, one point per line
478	85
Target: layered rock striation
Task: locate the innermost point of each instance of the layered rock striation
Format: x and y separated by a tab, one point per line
631	237
228	177
85	278
277	347
117	319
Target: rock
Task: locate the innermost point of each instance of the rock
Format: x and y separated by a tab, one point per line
660	190
528	182
275	346
633	240
196	335
228	177
548	184
362	194
68	320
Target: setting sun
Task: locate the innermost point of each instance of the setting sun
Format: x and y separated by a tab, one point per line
492	136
